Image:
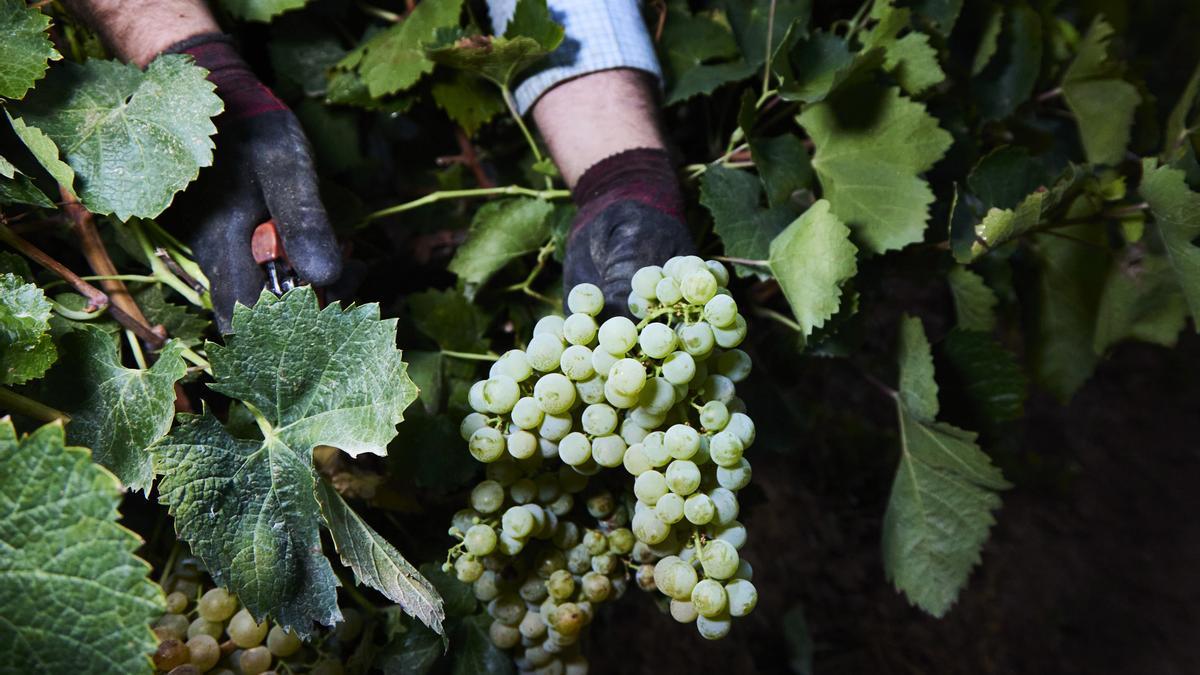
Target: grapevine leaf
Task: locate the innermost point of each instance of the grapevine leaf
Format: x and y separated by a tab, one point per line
1103	103
501	231
412	653
783	166
315	376
1181	121
377	563
466	102
530	35
989	40
450	319
870	148
474	651
116	411
1005	176
428	450
181	324
943	13
816	66
1175	208
990	374
260	10
303	54
532	19
394	60
1141	301
690	44
17	188
974	302
11	263
755	28
1000	226
812	258
75	597
1010	75
134	138
427	370
25	48
914	63
940	509
26	349
459	598
745	228
45	152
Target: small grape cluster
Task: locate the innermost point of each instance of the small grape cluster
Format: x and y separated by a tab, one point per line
206	631
657	399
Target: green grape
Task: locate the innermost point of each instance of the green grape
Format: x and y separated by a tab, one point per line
521	444
721	311
508	609
627	377
283	643
648	527
608	451
620	541
683	477
203	651
718	271
576	363
487	497
217	605
525	414
682	441
617	336
617	399
698	287
504	637
669	508
730	337
532	627
463	520
470	423
202	626
679	367
734	364
605	563
509	545
668	268
547	487
599	419
602	362
486	444
467	569
523	491
539	516
549	561
734	477
708	597
327	667
517	522
657	396
254	661
600	504
645	279
719	559
570	480
512	363
632	433
742	595
667	291
635	460
487	586
561	585
741	425
243	630
503	472
579	561
475	397
638	306
555	427
645	578
480	540
655	447
172	625
699	509
685	265
595	586
657	340
551	324
554	393
697	339
544	352
714	416
675	578
170	654
725	448
586	299
537	656
649	486
580	329
568	619
176	603
575	449
719	388
734	533
713	628
567	535
683	611
595	542
726	504
591	390
644	418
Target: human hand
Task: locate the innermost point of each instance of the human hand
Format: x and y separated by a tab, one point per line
263	168
630	216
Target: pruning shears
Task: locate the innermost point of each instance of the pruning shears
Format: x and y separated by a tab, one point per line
268	252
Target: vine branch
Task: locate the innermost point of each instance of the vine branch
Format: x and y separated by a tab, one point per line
442	195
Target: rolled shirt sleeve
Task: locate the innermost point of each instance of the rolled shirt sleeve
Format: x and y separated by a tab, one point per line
600	35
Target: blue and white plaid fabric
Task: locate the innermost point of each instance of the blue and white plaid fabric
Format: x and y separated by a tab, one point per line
600	35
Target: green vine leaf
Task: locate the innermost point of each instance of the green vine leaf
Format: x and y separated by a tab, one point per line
75	597
812	259
468	103
25	48
1141	301
940	509
394	60
1175	206
871	146
501	232
475	652
17	188
450	319
26	348
914	63
134	138
690	49
45	152
994	381
1103	103
1001	225
248	508
746	229
974	302
116	411
1012	71
260	10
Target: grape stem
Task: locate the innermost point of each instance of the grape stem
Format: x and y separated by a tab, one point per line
470	356
22	405
743	261
654	315
440	195
767	313
526	286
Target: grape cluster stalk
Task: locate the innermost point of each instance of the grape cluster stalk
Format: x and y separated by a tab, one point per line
550	534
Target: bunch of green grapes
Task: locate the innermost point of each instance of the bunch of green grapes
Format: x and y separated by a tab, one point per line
654	402
207	631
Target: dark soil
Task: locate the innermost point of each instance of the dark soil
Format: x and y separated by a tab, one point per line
1092	568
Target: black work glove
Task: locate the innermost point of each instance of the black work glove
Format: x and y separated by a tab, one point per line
263	168
630	216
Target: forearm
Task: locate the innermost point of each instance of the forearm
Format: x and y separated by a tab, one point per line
139	30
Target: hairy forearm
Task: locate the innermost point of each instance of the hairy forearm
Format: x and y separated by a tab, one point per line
139	30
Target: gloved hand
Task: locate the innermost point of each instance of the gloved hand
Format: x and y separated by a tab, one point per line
630	216
263	168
